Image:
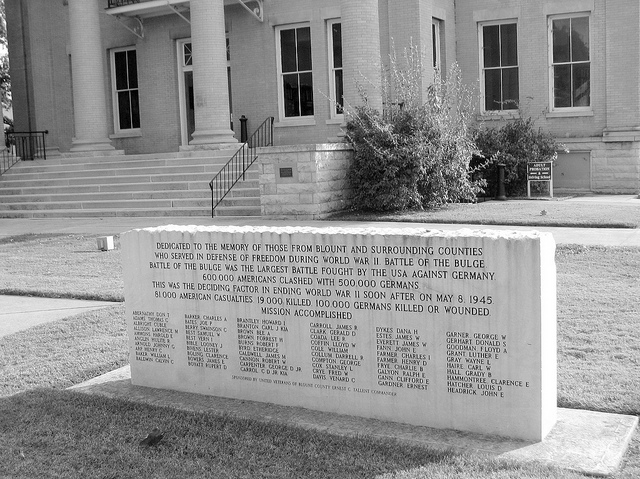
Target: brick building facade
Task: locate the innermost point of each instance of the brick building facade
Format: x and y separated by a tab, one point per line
154	76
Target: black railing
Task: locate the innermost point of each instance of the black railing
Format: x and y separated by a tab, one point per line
121	3
8	160
239	163
29	145
23	145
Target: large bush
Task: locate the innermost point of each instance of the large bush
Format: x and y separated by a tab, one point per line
416	153
514	144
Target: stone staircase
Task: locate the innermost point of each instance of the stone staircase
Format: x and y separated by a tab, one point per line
169	184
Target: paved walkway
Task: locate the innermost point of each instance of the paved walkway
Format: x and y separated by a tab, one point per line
115	226
18	313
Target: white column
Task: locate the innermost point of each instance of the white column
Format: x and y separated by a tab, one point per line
87	66
210	82
361	52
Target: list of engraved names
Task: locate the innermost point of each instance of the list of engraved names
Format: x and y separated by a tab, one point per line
363	313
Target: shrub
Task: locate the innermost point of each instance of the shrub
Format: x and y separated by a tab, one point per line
514	144
414	154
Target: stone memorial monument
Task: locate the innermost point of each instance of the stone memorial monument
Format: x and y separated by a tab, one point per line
450	330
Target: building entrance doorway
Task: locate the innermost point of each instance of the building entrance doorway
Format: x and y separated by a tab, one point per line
185	84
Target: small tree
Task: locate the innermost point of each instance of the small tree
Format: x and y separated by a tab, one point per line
416	153
5	79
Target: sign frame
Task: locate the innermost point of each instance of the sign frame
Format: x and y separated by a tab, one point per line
540	171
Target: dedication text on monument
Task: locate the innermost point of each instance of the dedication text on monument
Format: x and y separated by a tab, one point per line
449	330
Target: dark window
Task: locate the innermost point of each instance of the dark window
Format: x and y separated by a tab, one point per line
336	68
500	66
297	79
126	86
571	62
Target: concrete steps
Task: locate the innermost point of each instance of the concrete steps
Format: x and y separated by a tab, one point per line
174	184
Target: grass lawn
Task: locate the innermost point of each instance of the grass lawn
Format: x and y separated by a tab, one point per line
75	435
60	266
47	431
518	212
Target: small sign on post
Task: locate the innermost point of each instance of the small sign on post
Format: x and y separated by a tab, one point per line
539	171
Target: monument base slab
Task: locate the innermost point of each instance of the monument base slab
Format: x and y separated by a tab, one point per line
589	442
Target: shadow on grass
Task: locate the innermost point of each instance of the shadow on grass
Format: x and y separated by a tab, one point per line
29	237
75	433
427	217
101	296
49	433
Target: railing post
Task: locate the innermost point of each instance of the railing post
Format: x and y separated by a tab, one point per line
44	144
271	130
243	129
500	190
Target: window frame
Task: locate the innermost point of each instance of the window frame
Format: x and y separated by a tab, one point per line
568	109
304	119
114	93
183	67
436	45
334	115
482	69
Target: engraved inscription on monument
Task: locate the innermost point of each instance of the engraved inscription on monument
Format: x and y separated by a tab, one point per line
152	337
432	328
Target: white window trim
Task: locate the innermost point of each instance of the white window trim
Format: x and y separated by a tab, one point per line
229	80
435	33
332	85
579	110
118	132
283	120
483	110
182	68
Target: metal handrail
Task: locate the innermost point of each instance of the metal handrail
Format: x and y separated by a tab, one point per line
23	145
8	160
240	162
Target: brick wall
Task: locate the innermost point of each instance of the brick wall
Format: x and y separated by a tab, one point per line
615	68
43	104
158	85
615	57
254	67
622	63
18	30
533	58
444	10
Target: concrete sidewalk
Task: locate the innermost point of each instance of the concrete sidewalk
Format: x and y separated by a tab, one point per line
18	313
117	225
110	225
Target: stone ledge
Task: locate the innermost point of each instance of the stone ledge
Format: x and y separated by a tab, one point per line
588	442
304	148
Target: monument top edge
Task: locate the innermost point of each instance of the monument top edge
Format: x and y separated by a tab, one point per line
353	230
